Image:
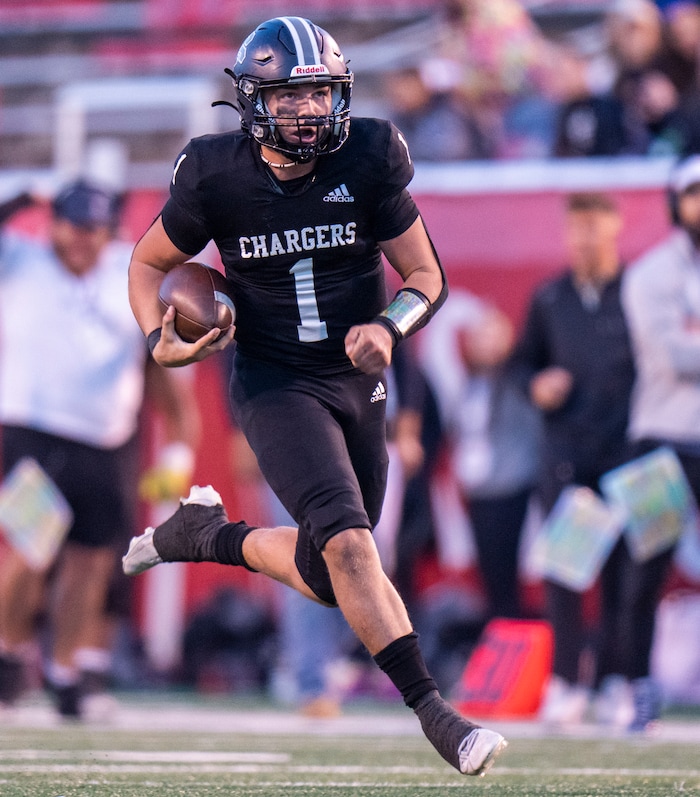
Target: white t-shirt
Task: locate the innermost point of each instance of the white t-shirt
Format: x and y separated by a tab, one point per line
72	356
661	299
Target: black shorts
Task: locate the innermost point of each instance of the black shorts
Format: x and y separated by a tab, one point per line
99	484
321	446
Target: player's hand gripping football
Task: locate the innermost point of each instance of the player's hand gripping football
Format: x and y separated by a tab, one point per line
172	351
369	347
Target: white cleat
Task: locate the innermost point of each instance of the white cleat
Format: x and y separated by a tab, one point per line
180	536
205	496
478	751
142	554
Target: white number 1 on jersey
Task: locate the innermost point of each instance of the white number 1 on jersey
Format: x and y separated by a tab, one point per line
311	329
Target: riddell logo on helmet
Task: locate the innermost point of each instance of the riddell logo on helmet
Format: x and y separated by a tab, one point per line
310	69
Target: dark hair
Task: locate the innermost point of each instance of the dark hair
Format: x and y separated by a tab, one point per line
590	200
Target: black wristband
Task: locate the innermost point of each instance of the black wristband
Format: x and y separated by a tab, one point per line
389	325
153	338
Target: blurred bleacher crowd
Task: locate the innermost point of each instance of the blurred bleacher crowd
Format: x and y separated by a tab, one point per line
464	79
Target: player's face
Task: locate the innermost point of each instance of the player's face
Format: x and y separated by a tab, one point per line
300	103
689	210
78	248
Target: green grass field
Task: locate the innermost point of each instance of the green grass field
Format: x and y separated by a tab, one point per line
156	747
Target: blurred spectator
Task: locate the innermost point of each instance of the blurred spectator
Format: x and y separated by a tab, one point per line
407	392
634	34
496	42
429	112
422	434
502	55
574	360
73	370
657	120
588	123
494	435
661	295
680	58
651	72
652	113
623	102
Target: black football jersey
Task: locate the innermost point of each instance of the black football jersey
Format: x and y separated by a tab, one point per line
302	256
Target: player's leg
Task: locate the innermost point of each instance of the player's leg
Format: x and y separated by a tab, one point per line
99	483
200	531
271	552
77	605
21	594
338	432
304	431
21	591
375	611
366	596
277	421
21	586
373	606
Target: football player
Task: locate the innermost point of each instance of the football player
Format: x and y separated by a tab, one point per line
302	203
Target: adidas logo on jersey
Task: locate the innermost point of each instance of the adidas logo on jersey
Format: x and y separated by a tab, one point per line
379	393
339	194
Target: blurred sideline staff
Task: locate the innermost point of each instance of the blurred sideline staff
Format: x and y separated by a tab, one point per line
74	369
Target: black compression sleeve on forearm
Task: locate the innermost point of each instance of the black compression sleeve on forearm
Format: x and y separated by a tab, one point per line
409	310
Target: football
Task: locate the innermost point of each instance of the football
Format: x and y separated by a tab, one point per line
201	296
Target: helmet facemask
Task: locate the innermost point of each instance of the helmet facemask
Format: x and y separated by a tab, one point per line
285	52
267	128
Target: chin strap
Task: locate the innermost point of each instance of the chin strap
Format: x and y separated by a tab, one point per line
277	165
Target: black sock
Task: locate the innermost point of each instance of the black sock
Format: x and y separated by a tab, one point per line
443	726
228	544
403	662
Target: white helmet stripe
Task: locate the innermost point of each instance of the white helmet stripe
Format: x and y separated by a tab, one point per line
304	40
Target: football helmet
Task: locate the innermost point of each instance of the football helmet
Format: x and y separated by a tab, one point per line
290	51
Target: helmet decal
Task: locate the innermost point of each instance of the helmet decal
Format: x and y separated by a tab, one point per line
305	43
312	70
240	57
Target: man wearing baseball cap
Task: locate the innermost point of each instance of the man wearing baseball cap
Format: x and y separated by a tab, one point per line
661	298
73	371
85	204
